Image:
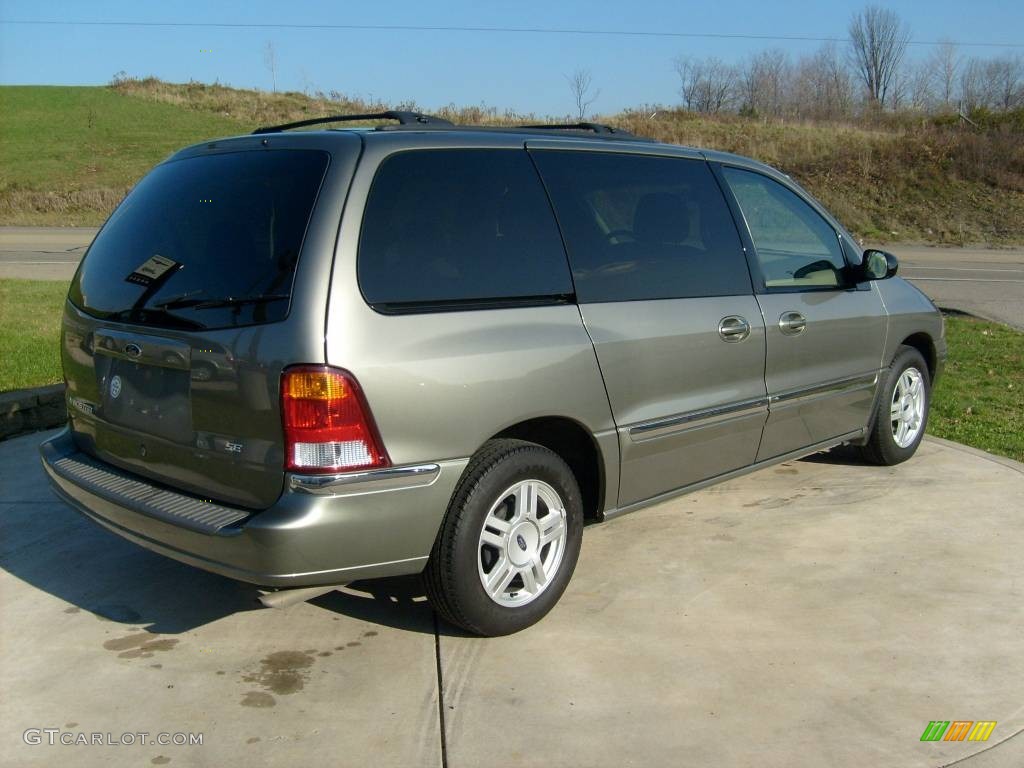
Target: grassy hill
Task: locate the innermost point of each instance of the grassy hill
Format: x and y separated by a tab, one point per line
67	155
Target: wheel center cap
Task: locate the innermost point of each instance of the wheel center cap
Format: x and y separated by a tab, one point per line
522	544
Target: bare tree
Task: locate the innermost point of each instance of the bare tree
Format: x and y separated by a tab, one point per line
580	83
706	85
921	81
1006	81
821	85
944	64
763	81
270	60
878	41
974	91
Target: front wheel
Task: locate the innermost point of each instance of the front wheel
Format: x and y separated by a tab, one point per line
901	413
509	542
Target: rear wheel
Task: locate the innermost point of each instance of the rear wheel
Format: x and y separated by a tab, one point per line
901	413
510	539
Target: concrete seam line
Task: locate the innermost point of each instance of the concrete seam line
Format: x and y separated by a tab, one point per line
965	758
440	692
1004	461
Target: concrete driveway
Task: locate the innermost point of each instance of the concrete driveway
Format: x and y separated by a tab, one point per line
819	613
985	282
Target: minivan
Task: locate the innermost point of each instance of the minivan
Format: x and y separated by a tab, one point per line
301	358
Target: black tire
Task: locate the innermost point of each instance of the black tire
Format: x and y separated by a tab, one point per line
881	446
452	578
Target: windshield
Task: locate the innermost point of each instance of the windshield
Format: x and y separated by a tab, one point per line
204	242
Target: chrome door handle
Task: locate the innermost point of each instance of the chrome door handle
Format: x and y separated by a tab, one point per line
733	328
792	323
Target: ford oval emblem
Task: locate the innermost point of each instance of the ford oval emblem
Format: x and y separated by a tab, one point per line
133	350
521	541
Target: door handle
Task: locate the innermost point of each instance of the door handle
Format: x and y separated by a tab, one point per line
733	328
792	323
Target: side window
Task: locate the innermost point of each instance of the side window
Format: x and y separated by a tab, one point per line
639	227
796	247
461	227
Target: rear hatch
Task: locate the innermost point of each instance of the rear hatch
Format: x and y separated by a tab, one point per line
187	307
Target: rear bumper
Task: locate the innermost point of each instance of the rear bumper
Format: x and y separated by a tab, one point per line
360	526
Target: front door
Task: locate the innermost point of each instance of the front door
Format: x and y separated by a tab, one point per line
825	338
665	293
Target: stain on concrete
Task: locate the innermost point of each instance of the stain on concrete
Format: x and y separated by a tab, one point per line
371	633
258	699
283	672
160	760
156	666
72	609
353	644
324	653
339	647
220	671
784	471
70	725
140	645
252	740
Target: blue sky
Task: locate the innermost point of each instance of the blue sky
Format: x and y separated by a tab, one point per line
524	72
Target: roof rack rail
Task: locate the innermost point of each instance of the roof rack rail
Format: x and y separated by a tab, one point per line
403	118
599	128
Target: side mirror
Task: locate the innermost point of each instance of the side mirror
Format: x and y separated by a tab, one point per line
877	265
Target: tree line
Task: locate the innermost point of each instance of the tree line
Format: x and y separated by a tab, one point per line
869	74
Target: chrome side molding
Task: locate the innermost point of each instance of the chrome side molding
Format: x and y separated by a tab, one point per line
660	428
851	384
369	481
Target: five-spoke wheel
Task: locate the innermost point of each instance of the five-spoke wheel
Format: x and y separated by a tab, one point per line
901	410
509	541
521	543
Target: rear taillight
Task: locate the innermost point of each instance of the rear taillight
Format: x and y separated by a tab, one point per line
327	423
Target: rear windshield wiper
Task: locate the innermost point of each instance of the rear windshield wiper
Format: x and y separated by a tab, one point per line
226	301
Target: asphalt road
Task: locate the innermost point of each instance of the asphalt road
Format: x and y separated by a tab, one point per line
987	283
817	613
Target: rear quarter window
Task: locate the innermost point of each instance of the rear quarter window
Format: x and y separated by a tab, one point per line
459	228
197	232
641	227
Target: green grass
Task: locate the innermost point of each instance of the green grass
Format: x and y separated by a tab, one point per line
69	154
30	312
980	399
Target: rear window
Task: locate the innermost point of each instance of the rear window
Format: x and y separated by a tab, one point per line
204	242
639	227
460	229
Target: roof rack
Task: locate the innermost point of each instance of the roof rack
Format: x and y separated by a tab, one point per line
403	118
598	128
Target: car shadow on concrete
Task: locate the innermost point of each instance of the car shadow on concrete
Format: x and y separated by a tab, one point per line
47	544
840	455
399	602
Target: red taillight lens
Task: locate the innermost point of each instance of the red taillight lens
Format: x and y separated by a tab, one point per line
327	423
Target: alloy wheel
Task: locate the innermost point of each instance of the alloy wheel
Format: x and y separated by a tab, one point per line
521	543
908	406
